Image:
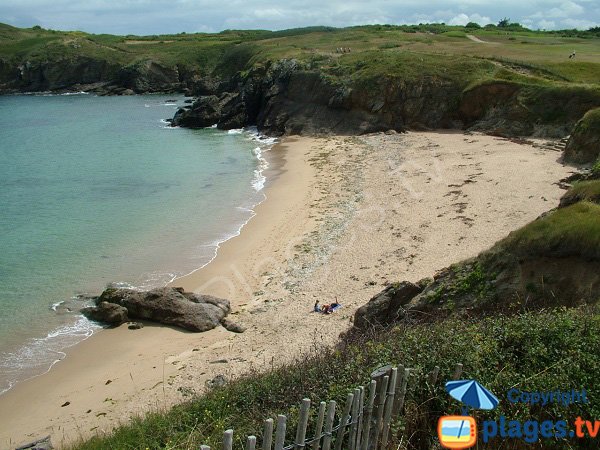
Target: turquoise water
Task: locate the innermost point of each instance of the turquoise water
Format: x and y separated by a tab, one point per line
98	190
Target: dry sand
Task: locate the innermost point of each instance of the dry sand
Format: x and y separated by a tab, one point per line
343	217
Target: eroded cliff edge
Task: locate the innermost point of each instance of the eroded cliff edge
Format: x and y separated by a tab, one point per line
289	97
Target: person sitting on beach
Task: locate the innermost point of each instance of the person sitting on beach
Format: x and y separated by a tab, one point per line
325	309
317	308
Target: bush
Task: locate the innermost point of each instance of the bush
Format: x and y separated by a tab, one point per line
535	351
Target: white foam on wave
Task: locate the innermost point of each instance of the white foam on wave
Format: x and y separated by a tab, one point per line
258	183
55	306
39	355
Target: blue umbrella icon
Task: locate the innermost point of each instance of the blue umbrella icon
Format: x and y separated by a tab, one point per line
471	393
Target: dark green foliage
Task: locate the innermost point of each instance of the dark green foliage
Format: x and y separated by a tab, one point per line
596	168
546	350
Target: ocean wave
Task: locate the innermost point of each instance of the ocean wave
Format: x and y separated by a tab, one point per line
38	355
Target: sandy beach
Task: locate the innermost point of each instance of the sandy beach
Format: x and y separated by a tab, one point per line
344	216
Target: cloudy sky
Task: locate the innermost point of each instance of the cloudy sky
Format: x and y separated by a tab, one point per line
174	16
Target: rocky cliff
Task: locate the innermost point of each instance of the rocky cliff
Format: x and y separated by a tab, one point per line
287	97
90	74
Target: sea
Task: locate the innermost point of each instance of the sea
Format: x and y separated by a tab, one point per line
101	191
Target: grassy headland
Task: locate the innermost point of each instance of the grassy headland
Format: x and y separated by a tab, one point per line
544	350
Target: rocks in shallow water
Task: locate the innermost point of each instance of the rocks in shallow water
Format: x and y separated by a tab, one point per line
169	306
386	307
232	326
40	444
106	312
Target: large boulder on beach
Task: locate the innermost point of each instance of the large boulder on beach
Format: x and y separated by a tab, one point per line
169	306
387	306
106	312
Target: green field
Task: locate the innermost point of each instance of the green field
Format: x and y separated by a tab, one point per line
534	56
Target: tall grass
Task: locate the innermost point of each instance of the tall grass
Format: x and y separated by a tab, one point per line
544	350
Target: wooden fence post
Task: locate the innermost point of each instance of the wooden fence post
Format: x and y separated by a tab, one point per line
280	432
251	443
302	424
267	440
389	405
367	420
379	418
433	376
319	428
403	388
329	425
457	371
361	410
228	440
353	420
344	422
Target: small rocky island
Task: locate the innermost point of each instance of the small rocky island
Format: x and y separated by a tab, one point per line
168	305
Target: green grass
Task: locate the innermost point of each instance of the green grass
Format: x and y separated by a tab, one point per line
544	56
590	123
583	191
596	168
570	231
545	351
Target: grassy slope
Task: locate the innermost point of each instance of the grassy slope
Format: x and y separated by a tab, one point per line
574	230
532	350
534	57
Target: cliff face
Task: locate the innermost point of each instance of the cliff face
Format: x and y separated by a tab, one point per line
288	99
95	75
285	98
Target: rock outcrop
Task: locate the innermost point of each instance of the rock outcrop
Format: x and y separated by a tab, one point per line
106	312
387	306
169	306
39	444
287	97
583	146
85	73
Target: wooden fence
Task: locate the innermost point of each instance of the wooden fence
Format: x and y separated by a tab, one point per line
364	422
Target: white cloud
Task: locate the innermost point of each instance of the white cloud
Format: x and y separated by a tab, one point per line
546	24
567	9
463	19
173	16
580	24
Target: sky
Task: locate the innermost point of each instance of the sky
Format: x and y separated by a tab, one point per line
146	17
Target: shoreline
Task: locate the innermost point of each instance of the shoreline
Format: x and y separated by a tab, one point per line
344	216
79	329
78	357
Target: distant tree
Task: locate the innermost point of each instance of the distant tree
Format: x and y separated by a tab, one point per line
36	27
490	25
472	25
504	23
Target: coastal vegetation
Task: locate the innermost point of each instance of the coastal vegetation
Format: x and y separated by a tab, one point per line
538	350
522	314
